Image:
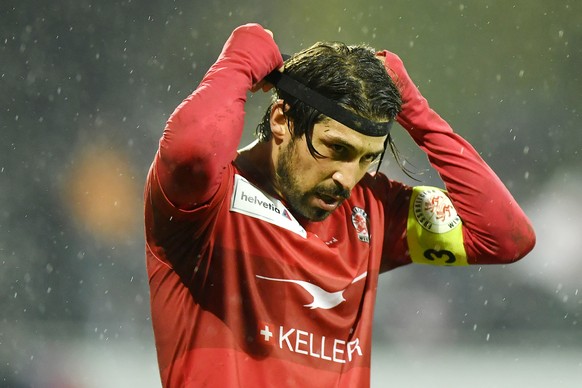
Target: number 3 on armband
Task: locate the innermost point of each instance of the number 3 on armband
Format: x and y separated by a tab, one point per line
433	255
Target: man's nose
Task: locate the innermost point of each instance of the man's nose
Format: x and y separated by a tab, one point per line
347	176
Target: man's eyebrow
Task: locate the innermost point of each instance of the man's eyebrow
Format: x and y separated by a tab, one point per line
340	140
337	139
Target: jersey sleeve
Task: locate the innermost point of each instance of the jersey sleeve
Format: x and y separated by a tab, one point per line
493	228
190	173
202	135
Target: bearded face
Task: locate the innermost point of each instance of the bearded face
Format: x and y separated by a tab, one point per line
313	186
301	197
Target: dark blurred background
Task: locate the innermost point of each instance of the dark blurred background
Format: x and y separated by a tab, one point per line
86	87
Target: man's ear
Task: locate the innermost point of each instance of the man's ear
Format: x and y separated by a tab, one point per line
278	121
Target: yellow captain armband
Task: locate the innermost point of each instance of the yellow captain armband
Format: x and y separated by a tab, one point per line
434	230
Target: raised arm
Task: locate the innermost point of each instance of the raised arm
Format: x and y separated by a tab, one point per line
495	228
203	133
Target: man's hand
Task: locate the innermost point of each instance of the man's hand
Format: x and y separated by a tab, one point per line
261	85
399	75
264	85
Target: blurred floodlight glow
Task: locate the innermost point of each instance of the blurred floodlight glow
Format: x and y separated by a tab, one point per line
103	195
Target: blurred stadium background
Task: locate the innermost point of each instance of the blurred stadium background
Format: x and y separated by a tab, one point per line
86	86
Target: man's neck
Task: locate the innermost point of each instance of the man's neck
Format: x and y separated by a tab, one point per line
255	162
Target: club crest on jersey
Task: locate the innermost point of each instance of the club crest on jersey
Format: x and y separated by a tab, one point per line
360	222
434	211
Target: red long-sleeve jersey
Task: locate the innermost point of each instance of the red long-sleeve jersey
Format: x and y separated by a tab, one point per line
243	294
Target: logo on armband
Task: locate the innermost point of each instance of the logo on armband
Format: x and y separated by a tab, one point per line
434	211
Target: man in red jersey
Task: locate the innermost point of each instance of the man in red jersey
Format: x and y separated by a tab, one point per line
263	263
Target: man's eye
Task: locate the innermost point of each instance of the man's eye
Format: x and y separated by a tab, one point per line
371	157
337	148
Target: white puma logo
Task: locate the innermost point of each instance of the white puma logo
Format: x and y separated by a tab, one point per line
322	299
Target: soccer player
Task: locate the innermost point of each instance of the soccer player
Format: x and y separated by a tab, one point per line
263	263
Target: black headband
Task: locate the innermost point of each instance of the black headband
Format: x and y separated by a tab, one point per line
327	106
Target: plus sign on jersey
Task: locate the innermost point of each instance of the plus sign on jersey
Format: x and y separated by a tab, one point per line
265	332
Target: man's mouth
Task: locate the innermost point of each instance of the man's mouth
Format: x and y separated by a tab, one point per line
328	202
